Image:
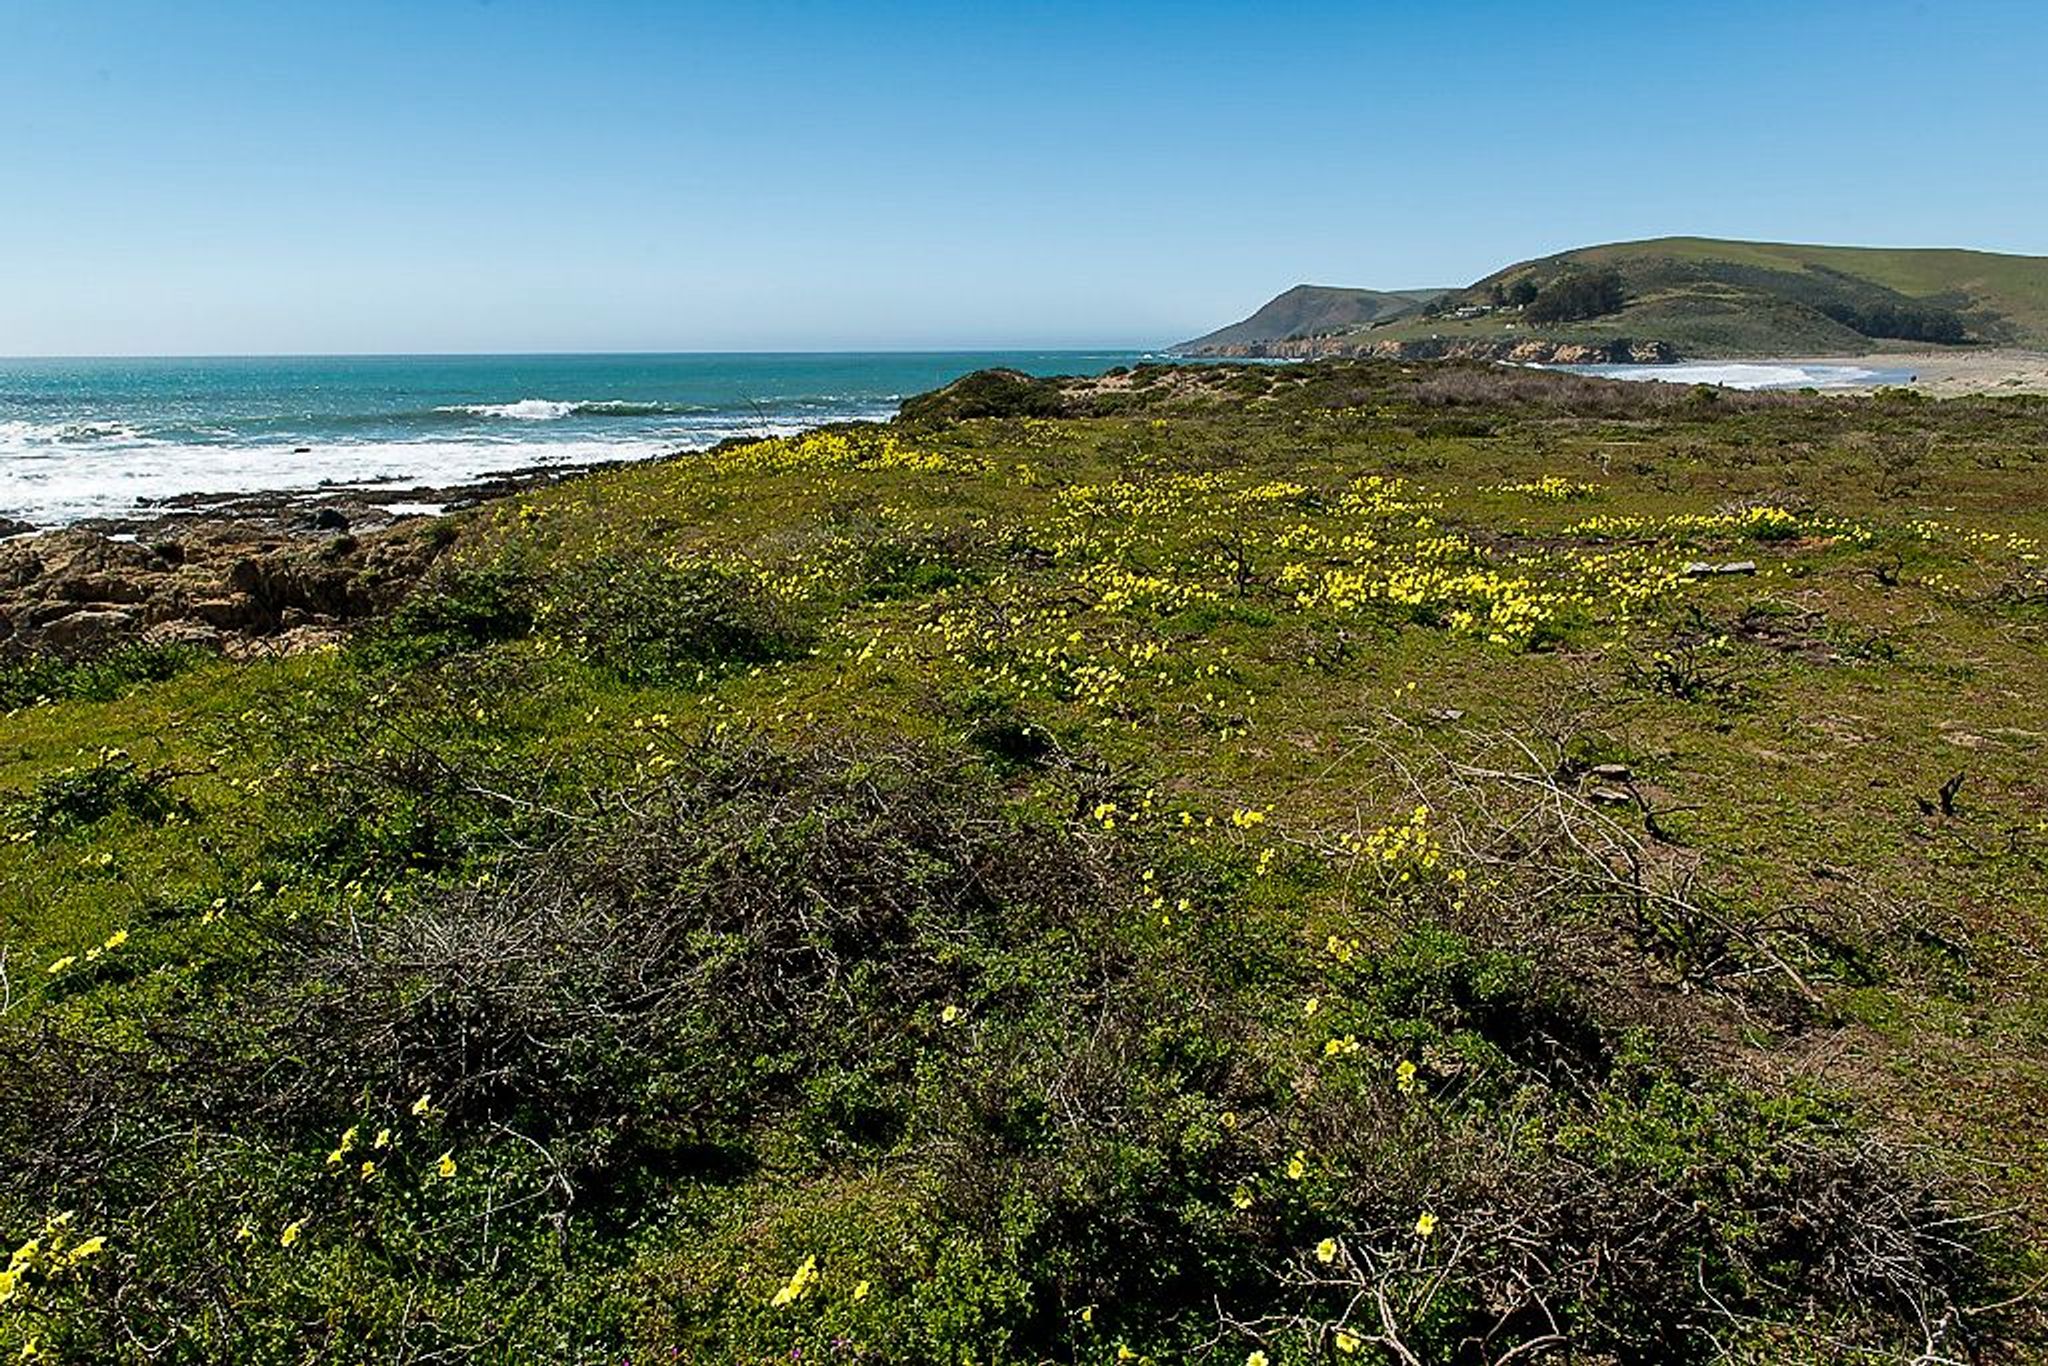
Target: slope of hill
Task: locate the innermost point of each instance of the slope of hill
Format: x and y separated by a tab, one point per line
1200	865
1314	311
1701	292
1708	297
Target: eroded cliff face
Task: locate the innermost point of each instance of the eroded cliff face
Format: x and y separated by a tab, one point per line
1519	350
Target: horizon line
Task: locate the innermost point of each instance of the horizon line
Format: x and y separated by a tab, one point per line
593	352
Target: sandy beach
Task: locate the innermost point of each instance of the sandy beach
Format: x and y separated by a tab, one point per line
1952	374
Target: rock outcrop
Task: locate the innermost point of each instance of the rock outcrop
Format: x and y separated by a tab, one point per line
226	586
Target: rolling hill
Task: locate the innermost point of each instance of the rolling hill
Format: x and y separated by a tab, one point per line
1708	297
1315	311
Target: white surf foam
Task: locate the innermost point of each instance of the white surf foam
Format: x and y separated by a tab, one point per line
1749	374
525	410
52	486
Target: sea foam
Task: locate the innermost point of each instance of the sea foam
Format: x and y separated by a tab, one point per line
1749	374
525	410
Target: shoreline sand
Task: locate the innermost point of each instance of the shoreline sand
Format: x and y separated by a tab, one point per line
1950	374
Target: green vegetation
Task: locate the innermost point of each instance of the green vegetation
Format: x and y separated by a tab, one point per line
97	676
1317	311
1574	295
2005	296
1292	864
1714	297
1708	297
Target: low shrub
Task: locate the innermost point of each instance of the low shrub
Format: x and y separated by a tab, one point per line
97	676
73	798
653	621
459	608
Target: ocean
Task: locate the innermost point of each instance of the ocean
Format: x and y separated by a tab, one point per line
92	438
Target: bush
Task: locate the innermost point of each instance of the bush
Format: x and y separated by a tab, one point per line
1903	321
1576	295
652	621
858	1016
458	609
99	676
986	393
679	971
73	798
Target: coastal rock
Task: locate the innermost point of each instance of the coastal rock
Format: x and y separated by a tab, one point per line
194	634
297	641
219	585
238	613
87	626
101	587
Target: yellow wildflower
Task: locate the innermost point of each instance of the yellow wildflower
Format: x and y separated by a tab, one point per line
1347	1342
62	963
1425	1225
949	1014
860	1291
341	1150
423	1104
1297	1165
90	1247
1256	1359
1404	1076
799	1281
291	1233
446	1166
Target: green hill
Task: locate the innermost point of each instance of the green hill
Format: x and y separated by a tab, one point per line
1709	297
1702	293
1315	311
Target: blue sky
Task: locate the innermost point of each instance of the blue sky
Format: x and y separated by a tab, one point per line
206	177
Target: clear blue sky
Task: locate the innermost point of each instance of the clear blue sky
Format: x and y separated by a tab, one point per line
608	175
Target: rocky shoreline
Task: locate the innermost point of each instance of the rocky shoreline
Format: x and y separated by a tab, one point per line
242	574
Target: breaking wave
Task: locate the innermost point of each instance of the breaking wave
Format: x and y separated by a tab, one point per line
551	409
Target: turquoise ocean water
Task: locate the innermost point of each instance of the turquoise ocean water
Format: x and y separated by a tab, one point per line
85	438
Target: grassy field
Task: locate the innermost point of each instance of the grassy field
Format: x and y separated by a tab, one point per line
1241	865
